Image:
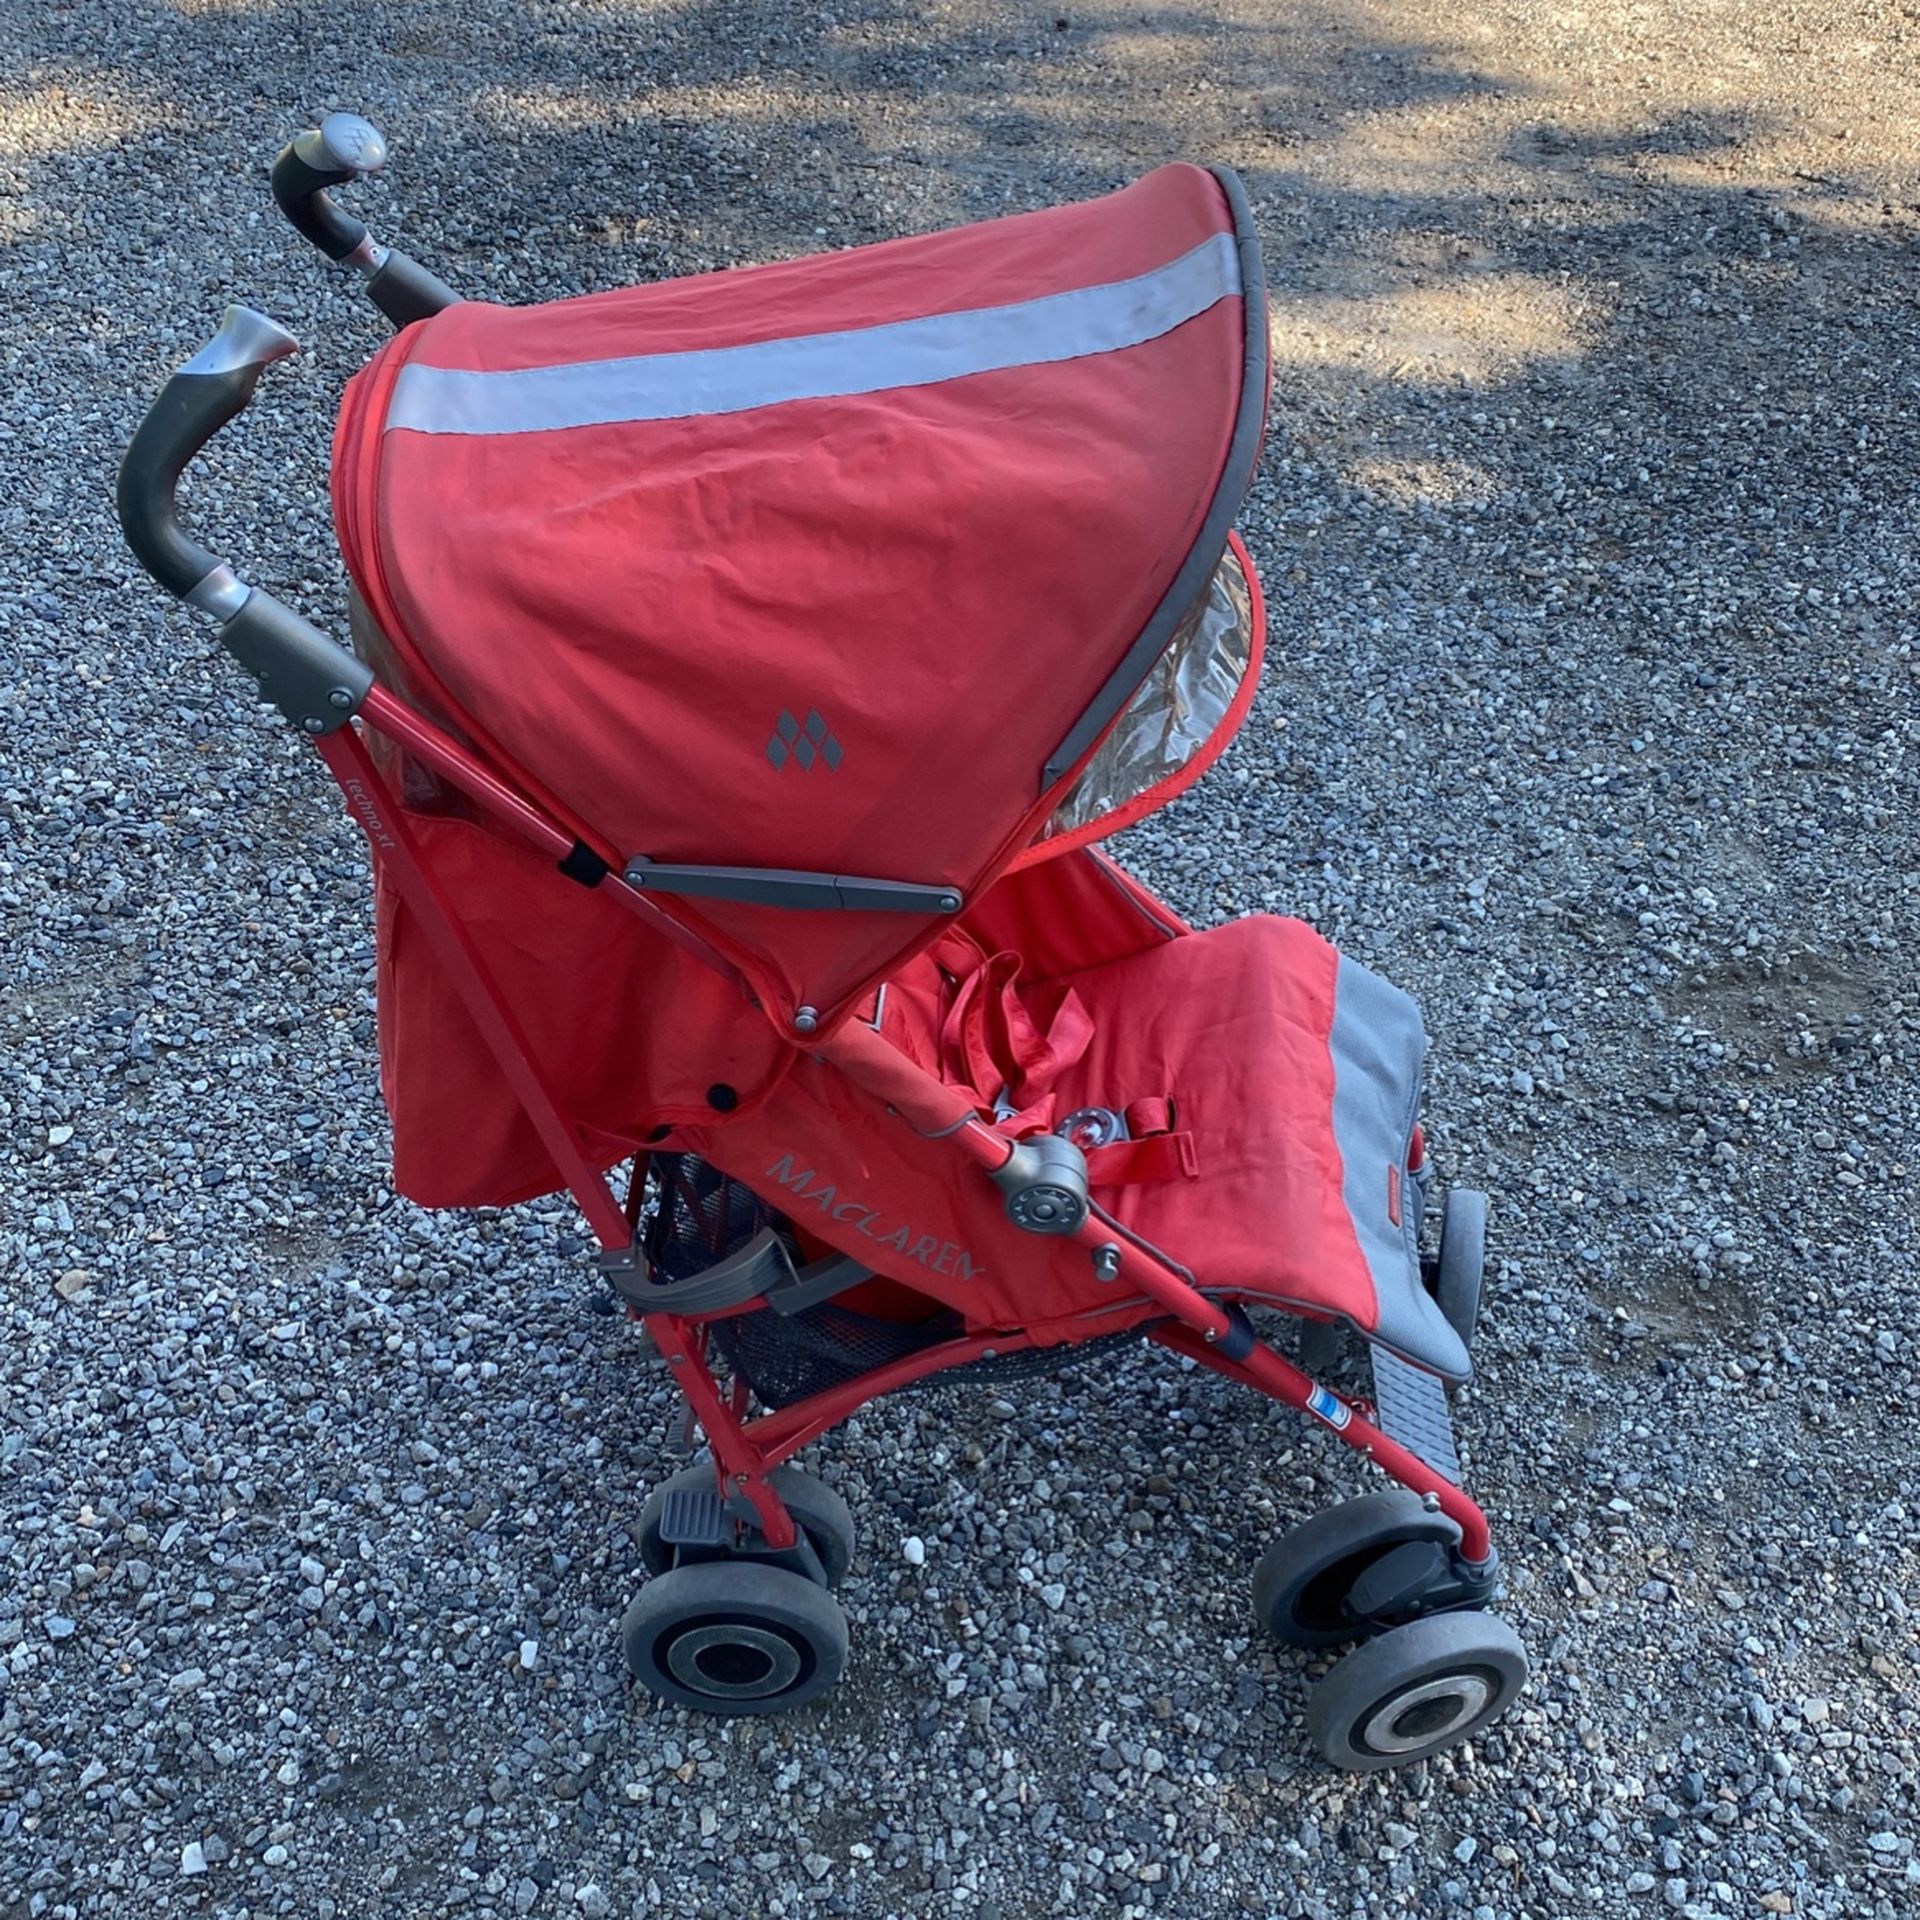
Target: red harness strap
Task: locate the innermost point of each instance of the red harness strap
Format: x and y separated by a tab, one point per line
990	1039
992	1045
1155	1157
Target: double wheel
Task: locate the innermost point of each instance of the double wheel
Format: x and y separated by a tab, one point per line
740	1629
1432	1670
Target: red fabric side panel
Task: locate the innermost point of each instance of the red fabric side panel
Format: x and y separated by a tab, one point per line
633	1030
1080	912
914	1210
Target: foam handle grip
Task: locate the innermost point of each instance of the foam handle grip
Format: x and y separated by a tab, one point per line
340	149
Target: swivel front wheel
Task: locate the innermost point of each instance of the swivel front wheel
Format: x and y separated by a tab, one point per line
1416	1691
1353	1569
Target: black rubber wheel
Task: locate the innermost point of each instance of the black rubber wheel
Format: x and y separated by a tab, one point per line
1416	1691
1463	1260
1301	1585
821	1514
734	1637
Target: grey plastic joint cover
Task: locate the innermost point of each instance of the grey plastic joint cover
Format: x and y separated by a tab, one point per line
246	338
318	686
792	888
1045	1181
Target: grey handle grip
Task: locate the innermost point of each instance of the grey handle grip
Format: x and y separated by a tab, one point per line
341	149
193	406
314	683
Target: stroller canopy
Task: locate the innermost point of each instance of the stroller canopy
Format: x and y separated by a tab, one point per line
833	571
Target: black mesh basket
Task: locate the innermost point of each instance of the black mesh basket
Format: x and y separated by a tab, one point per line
702	1215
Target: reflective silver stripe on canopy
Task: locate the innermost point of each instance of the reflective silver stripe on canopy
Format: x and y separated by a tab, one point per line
819	366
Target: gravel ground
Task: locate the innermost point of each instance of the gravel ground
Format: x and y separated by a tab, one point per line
1588	522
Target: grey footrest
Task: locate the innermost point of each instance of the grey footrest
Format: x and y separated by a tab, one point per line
1412	1405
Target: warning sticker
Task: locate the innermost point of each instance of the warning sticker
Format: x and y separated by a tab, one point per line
1328	1407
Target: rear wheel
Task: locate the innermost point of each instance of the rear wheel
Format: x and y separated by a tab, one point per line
733	1637
1416	1691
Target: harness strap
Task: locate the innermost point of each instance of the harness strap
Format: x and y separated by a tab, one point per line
990	1039
1158	1158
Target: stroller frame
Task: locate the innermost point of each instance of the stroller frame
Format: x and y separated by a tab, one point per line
1410	1572
746	1450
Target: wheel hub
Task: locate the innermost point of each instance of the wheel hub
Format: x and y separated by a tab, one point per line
1415	1718
733	1660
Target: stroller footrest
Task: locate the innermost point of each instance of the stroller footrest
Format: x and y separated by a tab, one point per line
694	1517
1412	1408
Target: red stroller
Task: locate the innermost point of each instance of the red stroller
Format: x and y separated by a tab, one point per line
745	669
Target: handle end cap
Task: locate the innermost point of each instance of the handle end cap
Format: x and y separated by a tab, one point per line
247	338
348	142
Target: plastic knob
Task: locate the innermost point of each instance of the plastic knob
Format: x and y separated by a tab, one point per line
350	142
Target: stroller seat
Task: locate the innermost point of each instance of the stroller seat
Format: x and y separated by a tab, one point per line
1285	1077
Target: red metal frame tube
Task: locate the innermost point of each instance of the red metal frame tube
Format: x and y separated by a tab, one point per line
1279	1379
741	1463
1201	1323
786	1431
398	722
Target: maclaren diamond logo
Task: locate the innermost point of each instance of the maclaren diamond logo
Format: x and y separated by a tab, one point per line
806	744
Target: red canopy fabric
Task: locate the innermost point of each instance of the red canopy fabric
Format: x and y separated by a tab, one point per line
841	565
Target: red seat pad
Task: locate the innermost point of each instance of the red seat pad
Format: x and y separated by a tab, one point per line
1295	1073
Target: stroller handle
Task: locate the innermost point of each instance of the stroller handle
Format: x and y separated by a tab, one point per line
341	149
207	392
314	683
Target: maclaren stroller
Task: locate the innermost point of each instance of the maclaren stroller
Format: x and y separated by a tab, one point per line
746	667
